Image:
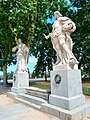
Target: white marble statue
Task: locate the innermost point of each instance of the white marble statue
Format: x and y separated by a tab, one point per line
22	56
61	40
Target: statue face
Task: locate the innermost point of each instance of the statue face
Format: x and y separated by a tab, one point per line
19	41
56	16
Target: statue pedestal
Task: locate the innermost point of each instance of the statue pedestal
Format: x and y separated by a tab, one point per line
66	100
66	67
66	89
20	79
20	82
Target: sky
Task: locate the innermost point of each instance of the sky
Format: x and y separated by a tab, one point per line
31	64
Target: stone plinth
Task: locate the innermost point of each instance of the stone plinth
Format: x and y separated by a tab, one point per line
20	82
18	90
66	89
66	100
20	79
65	67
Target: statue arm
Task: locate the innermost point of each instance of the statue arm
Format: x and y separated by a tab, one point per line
67	24
14	49
47	36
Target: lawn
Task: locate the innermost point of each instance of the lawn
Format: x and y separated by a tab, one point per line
47	85
86	87
86	91
42	85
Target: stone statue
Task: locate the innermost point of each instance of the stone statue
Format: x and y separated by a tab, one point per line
22	56
61	40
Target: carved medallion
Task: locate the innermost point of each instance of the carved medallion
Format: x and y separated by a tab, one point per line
57	79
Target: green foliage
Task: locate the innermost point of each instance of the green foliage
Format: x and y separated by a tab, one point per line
16	20
82	34
86	80
86	91
10	75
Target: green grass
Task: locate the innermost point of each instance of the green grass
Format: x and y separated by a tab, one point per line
86	91
42	85
46	85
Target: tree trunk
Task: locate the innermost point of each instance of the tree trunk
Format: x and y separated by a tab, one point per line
5	74
45	76
89	74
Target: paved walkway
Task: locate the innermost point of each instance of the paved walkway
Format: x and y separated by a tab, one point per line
13	110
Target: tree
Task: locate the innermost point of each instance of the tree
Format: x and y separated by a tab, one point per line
82	34
10	75
16	20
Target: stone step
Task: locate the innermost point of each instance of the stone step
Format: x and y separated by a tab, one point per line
37	92
31	100
63	114
29	103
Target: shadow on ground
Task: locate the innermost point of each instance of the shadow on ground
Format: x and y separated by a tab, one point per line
4	90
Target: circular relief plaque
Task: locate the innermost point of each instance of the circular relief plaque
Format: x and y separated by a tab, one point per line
57	79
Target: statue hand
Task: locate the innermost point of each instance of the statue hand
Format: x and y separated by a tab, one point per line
45	36
14	49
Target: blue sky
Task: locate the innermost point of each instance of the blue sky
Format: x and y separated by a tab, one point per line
31	65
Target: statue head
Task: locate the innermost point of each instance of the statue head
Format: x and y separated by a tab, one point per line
19	41
57	14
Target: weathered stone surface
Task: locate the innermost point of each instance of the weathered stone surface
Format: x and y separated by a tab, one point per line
20	79
67	94
37	92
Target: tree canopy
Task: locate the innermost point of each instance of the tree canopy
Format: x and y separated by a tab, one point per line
82	35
